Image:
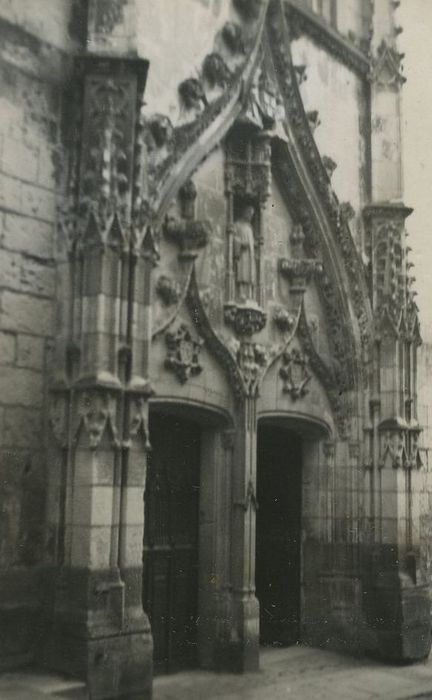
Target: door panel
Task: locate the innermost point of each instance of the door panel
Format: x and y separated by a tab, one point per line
170	582
278	540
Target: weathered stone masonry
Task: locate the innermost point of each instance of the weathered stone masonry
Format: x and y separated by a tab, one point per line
202	220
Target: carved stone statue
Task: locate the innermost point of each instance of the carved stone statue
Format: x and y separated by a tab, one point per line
244	254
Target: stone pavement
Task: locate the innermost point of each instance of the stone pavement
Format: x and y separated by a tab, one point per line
299	673
302	673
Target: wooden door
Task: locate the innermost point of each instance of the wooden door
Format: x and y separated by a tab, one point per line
170	582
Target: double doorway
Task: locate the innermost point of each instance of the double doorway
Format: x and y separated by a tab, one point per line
172	538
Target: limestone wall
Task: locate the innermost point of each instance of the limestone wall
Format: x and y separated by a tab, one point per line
31	165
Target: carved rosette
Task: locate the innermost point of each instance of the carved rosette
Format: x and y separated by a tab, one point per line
245	319
295	373
183	353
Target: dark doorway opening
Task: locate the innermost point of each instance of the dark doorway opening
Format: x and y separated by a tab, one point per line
278	535
170	580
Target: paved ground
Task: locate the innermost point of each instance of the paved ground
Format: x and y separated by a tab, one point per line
301	673
286	674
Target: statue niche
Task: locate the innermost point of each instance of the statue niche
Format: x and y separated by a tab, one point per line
247	186
244	256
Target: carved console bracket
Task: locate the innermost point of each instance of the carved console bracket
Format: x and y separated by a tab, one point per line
299	272
245	319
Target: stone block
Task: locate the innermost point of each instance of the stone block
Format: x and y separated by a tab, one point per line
30	351
93	505
91	546
28	235
27	275
10	193
21	387
26	314
22	427
38	202
7	348
19	160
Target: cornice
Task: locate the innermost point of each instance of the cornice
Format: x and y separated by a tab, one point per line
303	21
387	210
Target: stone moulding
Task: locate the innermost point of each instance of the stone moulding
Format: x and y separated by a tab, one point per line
303	21
279	38
214	344
192	142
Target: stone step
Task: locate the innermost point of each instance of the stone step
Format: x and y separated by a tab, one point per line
29	684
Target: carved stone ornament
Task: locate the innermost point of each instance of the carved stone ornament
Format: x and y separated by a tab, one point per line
313	119
138	421
252	358
329	164
347	211
106	165
299	271
233	37
295	373
284	320
393	450
96	414
183	353
245	319
386	66
280	46
192	94
189	235
161	129
215	70
168	290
